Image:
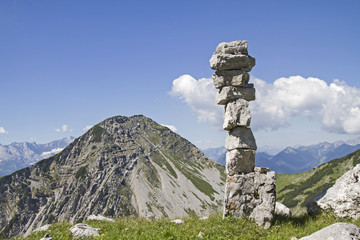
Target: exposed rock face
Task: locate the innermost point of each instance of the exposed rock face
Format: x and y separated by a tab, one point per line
249	192
343	231
344	196
122	166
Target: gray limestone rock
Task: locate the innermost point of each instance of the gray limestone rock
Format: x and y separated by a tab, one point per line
251	195
229	93
237	114
343	231
223	61
234	47
240	137
344	196
236	78
282	210
81	230
240	161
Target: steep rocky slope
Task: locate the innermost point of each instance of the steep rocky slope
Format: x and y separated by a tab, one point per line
122	166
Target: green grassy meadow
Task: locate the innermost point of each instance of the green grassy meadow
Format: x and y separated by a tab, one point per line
213	228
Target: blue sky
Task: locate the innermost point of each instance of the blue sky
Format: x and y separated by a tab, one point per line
66	65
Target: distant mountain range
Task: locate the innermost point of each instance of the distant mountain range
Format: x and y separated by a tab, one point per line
18	155
294	159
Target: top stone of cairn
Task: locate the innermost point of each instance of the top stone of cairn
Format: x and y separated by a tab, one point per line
234	47
232	56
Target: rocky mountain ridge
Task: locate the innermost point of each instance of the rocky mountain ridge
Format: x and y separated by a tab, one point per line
123	166
18	155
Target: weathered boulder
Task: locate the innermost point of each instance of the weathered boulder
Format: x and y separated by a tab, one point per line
343	231
251	195
237	114
240	161
81	230
344	196
240	137
282	210
228	93
223	61
236	78
234	47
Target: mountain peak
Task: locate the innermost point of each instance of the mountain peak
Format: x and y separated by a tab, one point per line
122	166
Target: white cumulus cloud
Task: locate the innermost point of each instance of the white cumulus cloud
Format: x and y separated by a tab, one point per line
64	128
336	106
199	95
3	131
171	127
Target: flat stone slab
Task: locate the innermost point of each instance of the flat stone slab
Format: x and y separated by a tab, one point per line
223	61
236	78
228	93
234	47
240	137
240	161
237	114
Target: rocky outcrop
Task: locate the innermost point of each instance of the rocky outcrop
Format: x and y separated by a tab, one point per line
249	192
343	197
343	231
123	166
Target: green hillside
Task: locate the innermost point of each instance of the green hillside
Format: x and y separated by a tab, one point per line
295	190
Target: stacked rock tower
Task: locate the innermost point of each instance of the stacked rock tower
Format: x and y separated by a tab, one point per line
249	191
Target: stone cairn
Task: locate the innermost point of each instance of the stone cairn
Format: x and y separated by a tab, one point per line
249	190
